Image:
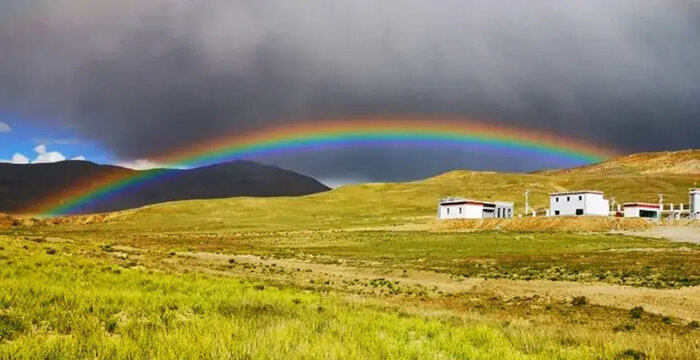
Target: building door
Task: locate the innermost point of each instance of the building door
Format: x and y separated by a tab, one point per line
579	211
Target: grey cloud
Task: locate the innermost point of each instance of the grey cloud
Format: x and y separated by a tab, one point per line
145	77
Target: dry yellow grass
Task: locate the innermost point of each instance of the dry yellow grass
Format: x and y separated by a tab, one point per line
585	224
686	162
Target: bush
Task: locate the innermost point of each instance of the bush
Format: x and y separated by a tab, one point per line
579	301
636	312
50	251
666	320
624	327
111	326
9	326
694	324
231	261
632	354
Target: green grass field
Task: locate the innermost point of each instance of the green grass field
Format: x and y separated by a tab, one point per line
72	302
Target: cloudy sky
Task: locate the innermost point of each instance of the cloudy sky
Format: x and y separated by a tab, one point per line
123	81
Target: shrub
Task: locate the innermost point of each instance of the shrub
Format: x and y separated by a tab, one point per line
260	287
666	320
694	324
9	326
50	251
111	326
632	354
636	312
579	301
231	261
624	327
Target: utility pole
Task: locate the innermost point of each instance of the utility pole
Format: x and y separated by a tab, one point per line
661	205
527	203
612	201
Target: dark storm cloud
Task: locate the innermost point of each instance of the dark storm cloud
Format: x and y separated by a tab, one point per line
145	77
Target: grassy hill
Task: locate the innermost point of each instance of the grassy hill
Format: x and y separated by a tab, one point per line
686	162
377	204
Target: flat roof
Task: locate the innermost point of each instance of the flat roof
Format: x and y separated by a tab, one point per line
463	201
694	190
641	204
577	192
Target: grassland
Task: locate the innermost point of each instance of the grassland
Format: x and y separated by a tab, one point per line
75	301
361	272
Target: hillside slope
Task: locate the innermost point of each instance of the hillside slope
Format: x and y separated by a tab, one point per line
380	204
22	186
685	162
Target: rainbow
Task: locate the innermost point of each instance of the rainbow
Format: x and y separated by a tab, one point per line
317	135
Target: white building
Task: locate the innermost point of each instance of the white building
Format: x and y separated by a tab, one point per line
643	210
460	208
694	195
584	202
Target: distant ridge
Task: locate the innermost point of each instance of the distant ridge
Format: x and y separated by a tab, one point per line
684	162
22	186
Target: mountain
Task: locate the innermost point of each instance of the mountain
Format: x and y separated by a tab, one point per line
23	186
381	204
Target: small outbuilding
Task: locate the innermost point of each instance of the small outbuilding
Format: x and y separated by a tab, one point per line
582	202
461	208
694	201
642	210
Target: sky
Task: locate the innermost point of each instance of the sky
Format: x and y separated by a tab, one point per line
124	81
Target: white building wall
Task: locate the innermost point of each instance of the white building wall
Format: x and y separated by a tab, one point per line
460	211
567	204
631	211
596	205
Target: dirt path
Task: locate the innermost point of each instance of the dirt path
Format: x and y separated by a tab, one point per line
673	233
682	303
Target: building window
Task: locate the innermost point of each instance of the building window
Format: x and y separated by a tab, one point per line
648	214
448	211
557	199
556	212
580	197
460	210
579	211
568	198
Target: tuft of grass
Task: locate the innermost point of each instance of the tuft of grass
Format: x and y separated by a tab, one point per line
579	301
636	312
632	354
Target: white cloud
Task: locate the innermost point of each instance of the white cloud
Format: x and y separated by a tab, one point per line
4	127
139	164
17	158
44	156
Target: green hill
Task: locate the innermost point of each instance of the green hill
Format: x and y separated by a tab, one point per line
378	204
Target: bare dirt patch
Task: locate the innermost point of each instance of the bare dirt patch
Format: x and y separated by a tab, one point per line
682	303
689	234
